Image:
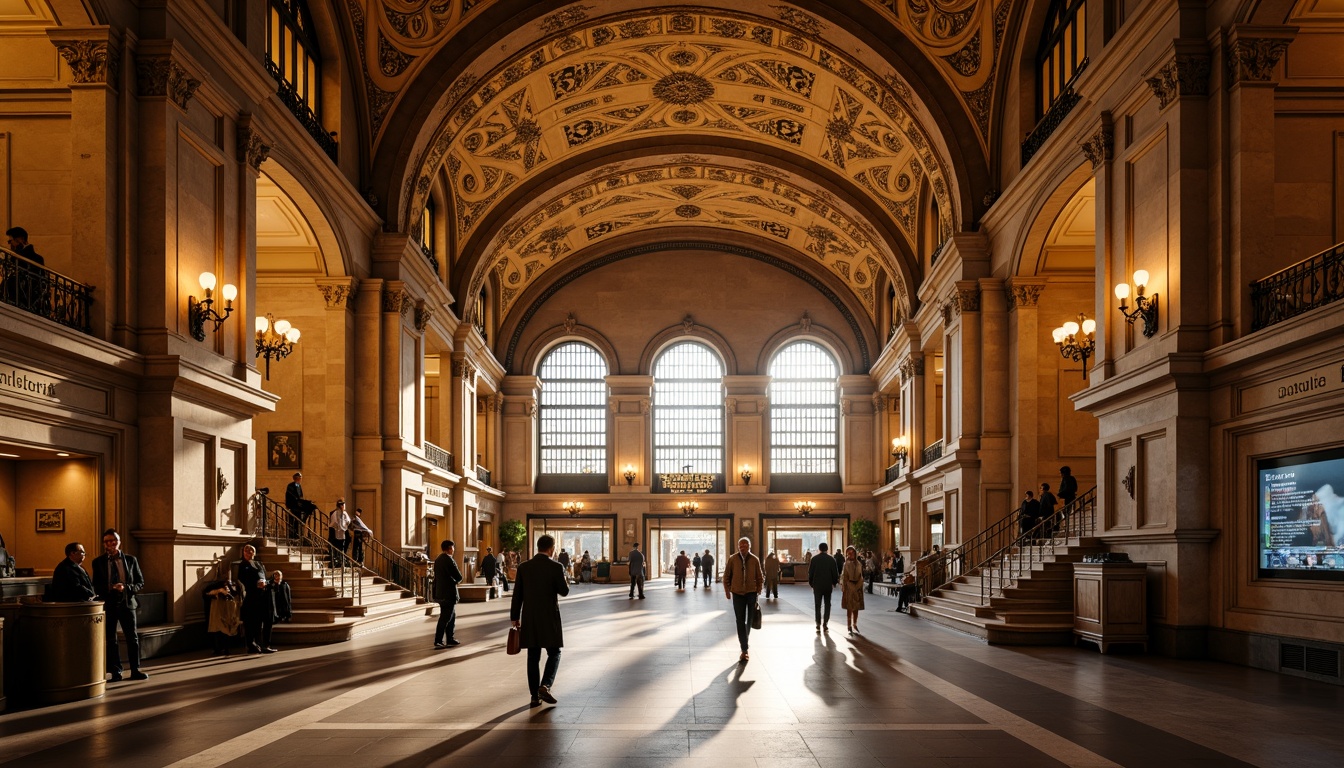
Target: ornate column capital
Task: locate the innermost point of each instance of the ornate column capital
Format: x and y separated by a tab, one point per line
465	369
159	75
879	402
1100	146
337	292
1024	294
397	299
912	367
966	297
1185	75
1252	52
92	62
252	148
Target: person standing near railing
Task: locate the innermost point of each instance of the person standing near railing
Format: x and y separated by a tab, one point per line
1068	486
359	531
24	286
298	507
338	522
1048	502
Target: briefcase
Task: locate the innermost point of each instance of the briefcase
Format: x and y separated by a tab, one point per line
514	645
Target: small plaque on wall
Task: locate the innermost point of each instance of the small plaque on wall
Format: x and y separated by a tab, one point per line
50	520
284	450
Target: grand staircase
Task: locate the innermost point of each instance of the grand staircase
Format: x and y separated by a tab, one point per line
1009	588
334	598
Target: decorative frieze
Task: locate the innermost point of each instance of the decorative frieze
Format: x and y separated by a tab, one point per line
252	149
1252	59
91	61
1185	75
162	77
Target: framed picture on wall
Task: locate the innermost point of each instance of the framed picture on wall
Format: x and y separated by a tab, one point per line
630	536
284	450
747	527
51	521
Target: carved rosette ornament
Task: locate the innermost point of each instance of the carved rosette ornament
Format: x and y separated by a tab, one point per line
1024	295
1186	75
252	150
91	61
1254	59
161	77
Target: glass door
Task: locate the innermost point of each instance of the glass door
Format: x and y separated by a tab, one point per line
668	537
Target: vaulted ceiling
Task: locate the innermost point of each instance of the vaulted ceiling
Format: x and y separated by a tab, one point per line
833	131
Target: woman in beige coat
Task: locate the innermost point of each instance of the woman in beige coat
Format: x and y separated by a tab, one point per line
851	589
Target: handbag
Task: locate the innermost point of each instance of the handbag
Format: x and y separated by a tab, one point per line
756	616
515	643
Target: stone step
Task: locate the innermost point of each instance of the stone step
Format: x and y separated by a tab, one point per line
315	616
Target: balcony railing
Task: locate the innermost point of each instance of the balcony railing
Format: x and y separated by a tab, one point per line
33	288
932	453
1052	119
301	111
893	473
438	457
1306	285
483	475
429	255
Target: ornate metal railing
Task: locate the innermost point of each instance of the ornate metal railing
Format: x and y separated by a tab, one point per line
1067	100
483	475
307	540
932	453
893	473
1306	285
433	262
1003	552
438	457
33	288
290	98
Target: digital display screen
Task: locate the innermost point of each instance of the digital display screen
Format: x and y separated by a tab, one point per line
1301	516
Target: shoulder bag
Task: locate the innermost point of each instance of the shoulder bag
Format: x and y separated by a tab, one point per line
514	645
756	616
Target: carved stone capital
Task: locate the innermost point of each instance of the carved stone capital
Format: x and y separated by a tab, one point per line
495	403
252	149
91	61
1252	59
1024	295
879	402
465	369
159	76
911	368
967	299
951	309
730	405
397	300
336	295
1185	75
846	405
530	406
645	405
1100	146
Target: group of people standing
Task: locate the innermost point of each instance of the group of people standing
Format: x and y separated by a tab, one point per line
115	581
255	602
345	532
1036	509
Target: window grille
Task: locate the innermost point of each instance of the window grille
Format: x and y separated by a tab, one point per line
688	410
1063	52
804	410
573	411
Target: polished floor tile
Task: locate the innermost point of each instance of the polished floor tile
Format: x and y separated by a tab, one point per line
657	683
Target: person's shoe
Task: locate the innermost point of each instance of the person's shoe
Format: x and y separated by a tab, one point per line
269	649
856	630
116	677
826	628
451	643
253	649
138	675
744	657
641	597
632	597
818	629
535	702
544	693
440	646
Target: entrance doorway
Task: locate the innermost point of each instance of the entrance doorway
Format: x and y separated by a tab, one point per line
936	530
575	535
792	538
669	535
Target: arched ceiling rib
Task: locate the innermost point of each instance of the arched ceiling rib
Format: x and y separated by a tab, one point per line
673	74
674	191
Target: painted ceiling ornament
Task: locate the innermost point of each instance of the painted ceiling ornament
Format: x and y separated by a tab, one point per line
683	88
687	211
799	20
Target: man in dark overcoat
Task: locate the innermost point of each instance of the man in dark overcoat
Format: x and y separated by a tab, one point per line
535	611
446	578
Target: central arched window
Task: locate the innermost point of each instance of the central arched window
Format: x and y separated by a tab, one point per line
688	410
573	411
804	411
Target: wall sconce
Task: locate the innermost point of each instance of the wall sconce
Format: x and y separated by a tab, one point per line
804	507
688	508
275	339
745	471
203	311
629	474
573	507
1143	307
899	450
1075	347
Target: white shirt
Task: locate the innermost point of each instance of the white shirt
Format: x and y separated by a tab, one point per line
340	520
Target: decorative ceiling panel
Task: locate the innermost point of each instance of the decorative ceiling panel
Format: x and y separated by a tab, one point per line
672	75
627	197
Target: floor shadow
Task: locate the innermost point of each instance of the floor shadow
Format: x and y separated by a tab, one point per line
445	749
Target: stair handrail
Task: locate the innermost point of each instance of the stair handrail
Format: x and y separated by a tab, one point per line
1076	520
938	570
394	567
304	539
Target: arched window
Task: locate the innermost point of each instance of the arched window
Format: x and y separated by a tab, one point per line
804	411
688	410
573	411
293	59
1063	51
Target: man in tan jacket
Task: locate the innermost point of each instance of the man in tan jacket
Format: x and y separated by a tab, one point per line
743	580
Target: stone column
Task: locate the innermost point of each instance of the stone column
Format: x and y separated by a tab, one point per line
747	435
857	434
1025	294
338	371
629	402
519	433
996	478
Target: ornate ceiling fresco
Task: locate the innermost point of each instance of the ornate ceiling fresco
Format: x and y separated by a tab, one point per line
689	191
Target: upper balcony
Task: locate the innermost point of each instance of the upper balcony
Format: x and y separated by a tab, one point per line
1306	285
33	288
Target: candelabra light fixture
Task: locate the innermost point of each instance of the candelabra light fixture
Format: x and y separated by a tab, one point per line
688	508
202	311
899	449
804	507
629	474
275	339
745	471
1144	307
573	507
1076	340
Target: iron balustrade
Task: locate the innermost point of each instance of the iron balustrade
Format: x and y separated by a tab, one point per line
33	288
1052	119
1304	286
932	453
483	475
433	262
1002	553
307	540
893	473
438	457
290	98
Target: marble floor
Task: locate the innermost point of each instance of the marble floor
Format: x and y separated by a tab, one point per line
656	682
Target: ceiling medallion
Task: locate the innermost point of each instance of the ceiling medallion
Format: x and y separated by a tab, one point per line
683	58
687	211
682	88
685	116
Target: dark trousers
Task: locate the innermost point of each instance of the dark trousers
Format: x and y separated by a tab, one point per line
743	608
356	548
121	614
696	581
295	520
905	595
504	577
446	629
772	585
820	597
535	677
636	581
257	632
679	580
